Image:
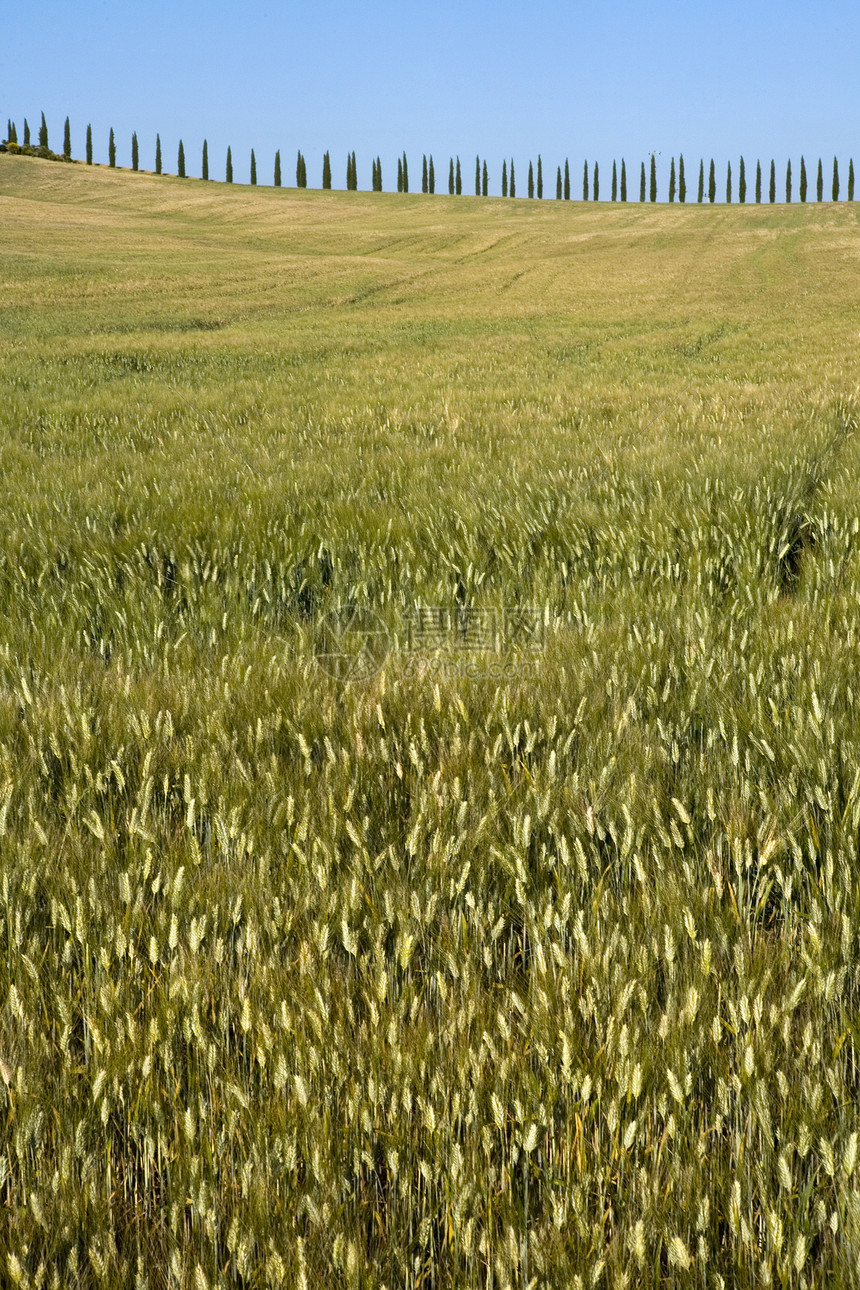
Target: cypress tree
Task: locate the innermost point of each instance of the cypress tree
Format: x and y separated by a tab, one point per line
111	149
458	182
596	184
485	181
851	179
11	132
504	179
405	174
400	174
326	175
742	183
712	183
701	197
43	133
558	185
431	175
135	155
802	180
277	175
228	176
788	182
158	154
614	182
204	163
682	182
672	181
67	141
540	179
253	167
566	180
819	183
451	177
835	190
424	180
301	171
653	193
477	176
642	182
180	161
772	185
585	181
513	180
26	133
729	182
89	145
531	183
758	183
623	180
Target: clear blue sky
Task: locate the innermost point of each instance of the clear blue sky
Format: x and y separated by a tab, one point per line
595	81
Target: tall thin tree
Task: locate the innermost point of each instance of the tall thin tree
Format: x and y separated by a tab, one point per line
513	180
477	176
204	164
180	161
758	183
111	148
585	181
672	181
26	133
614	181
277	175
729	182
772	183
158	154
89	145
850	179
228	173
326	174
566	180
596	184
405	174
253	168
458	180
653	192
450	176
642	182
712	183
485	181
682	180
835	187
400	174
431	175
788	181
43	133
67	140
531	182
819	183
701	196
135	154
558	188
424	180
540	179
802	185
504	179
623	193
742	183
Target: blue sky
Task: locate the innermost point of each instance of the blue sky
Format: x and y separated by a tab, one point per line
595	81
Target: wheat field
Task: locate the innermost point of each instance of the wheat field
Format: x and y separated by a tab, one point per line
519	951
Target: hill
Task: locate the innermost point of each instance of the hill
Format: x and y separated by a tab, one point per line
429	738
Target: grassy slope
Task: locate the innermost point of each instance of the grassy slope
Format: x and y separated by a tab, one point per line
406	981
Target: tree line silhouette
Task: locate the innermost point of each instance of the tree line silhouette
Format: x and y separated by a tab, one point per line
677	184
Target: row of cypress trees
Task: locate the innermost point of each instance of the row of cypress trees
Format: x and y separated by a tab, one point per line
535	188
